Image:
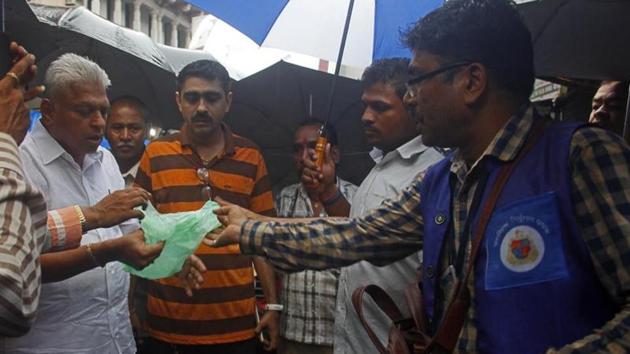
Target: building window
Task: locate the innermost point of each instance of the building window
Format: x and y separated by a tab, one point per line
145	20
110	10
128	14
182	37
167	30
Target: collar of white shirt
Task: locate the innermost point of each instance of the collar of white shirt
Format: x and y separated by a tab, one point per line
52	150
406	150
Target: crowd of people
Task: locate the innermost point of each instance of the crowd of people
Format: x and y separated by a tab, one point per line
513	228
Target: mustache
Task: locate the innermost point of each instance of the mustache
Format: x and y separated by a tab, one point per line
201	117
129	145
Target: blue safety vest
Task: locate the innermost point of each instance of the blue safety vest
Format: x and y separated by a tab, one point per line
534	282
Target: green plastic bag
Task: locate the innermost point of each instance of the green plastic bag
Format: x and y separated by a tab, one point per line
182	233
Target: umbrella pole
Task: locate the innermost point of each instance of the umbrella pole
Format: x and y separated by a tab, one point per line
333	86
5	57
626	129
322	141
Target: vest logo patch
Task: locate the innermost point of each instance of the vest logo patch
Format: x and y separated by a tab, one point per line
522	249
524	244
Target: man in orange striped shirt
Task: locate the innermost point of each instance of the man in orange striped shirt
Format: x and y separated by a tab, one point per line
183	171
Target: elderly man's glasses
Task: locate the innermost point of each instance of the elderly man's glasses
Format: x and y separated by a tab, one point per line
204	176
415	81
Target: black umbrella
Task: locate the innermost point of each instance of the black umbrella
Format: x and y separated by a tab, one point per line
269	105
131	59
581	39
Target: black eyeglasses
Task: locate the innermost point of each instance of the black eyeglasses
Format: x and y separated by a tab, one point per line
193	97
414	81
204	175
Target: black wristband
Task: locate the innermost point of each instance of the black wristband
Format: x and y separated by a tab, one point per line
333	200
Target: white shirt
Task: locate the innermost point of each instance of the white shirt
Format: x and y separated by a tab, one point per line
392	173
88	313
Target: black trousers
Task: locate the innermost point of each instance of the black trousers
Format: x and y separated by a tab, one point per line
155	346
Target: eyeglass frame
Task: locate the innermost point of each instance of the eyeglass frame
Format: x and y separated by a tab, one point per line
415	81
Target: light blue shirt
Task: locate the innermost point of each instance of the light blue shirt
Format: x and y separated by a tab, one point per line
392	173
88	313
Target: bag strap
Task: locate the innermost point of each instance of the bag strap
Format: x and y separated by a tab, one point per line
413	297
384	302
448	333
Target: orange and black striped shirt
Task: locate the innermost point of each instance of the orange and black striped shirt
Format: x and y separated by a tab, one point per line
222	311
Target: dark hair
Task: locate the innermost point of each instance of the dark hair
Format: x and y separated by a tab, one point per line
134	102
329	131
205	69
391	71
490	32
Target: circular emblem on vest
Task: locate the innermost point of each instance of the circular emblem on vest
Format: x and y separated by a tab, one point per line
440	219
522	249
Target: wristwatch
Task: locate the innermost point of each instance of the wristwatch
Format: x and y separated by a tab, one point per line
274	307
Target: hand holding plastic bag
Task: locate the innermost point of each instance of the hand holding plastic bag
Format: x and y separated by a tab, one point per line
182	233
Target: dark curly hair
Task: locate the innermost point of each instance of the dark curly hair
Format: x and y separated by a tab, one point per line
490	32
205	69
391	71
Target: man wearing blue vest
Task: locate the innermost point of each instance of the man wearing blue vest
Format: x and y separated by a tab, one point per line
553	268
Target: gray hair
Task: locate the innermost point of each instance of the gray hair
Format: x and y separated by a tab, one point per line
71	68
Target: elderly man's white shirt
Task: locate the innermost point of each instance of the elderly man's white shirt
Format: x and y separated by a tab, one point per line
87	313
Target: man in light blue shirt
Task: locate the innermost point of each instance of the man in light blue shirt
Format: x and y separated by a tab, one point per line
400	156
85	310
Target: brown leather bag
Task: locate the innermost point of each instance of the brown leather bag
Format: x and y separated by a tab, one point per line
410	335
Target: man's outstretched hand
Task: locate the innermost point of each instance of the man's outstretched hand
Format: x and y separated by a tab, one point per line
232	217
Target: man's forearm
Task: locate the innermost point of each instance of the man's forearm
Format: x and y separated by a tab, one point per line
294	247
58	266
23	214
267	277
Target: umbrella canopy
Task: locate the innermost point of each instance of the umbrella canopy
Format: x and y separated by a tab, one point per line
315	27
178	57
268	106
580	39
135	65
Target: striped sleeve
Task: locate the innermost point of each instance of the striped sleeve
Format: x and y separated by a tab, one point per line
262	199
22	227
63	230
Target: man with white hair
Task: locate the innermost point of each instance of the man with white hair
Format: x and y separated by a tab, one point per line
85	311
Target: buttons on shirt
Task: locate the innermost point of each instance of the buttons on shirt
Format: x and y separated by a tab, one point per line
440	219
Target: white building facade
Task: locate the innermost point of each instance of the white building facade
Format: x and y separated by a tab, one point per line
167	22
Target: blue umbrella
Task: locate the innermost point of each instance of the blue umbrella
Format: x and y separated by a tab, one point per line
348	31
315	27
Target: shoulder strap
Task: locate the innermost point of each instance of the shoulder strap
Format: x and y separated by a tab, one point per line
384	302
